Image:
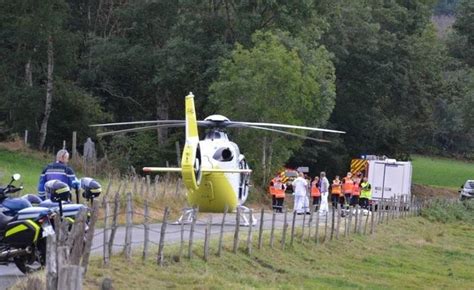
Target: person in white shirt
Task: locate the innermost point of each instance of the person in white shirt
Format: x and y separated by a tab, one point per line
300	188
324	192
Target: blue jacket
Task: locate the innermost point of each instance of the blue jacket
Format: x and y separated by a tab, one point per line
58	171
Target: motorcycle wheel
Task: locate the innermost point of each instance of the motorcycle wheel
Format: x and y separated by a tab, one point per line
34	261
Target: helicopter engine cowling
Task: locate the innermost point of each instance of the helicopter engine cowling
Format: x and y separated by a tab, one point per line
223	154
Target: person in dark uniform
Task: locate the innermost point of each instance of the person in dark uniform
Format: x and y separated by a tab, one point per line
58	170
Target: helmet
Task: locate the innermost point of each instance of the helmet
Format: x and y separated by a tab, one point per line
33	199
57	190
91	188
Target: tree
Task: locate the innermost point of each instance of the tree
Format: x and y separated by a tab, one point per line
271	82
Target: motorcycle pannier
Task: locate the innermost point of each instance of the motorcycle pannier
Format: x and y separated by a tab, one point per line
22	233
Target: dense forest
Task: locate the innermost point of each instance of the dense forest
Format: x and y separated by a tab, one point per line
376	69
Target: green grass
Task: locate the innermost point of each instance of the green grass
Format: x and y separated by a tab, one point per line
441	172
406	254
28	165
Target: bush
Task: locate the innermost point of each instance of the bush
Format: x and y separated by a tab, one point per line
442	210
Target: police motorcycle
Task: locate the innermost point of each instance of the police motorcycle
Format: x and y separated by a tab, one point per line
66	209
10	206
23	235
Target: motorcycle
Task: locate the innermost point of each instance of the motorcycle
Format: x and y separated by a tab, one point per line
11	205
23	238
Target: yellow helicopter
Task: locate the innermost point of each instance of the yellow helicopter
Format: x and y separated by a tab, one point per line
214	172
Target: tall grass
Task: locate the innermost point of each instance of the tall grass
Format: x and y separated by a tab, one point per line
446	211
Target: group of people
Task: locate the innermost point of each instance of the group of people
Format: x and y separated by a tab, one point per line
350	191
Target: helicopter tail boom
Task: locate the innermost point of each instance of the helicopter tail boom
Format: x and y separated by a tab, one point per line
203	170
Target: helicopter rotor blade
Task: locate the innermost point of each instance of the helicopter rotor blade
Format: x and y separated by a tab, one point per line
138	123
140	129
288	127
290	134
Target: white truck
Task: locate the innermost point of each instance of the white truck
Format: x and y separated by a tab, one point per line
390	178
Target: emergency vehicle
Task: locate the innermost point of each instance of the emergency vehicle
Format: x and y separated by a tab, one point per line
388	177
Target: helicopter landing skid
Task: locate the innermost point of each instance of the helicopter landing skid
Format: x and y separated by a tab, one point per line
186	217
244	216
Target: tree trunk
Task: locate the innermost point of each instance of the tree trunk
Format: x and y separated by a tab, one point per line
162	113
29	73
269	163
49	93
264	159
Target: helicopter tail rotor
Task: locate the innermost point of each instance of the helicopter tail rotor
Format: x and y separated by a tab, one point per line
191	159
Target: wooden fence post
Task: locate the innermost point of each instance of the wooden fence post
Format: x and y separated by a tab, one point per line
70	278
260	231
356	218
293	228
236	233
105	253
285	228
90	237
338	220
148	186
366	222
76	238
221	234
155	187
161	245
272	231
128	228
250	237
146	230
379	211
74	145
181	244
114	222
333	214
349	226
310	222
207	236
302	227
26	137
191	233
51	263
372	217
326	227
316	234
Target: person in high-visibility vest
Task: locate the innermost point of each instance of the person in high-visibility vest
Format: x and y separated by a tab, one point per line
279	188
355	191
271	190
336	192
365	193
315	193
347	185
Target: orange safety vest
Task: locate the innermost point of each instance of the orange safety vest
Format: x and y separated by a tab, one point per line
279	190
336	188
271	190
356	189
315	190
347	185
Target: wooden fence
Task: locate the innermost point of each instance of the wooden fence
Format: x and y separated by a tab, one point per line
134	226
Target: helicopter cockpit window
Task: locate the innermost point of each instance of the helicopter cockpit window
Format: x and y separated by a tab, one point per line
223	155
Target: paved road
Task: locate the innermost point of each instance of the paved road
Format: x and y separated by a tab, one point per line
9	274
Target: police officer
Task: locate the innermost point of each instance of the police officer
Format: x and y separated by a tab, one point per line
58	170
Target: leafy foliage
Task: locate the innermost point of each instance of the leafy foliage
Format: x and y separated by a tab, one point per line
271	82
372	68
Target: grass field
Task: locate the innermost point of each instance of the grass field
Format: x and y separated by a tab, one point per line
441	172
28	165
405	254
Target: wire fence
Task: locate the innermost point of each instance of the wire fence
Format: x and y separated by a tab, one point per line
136	227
